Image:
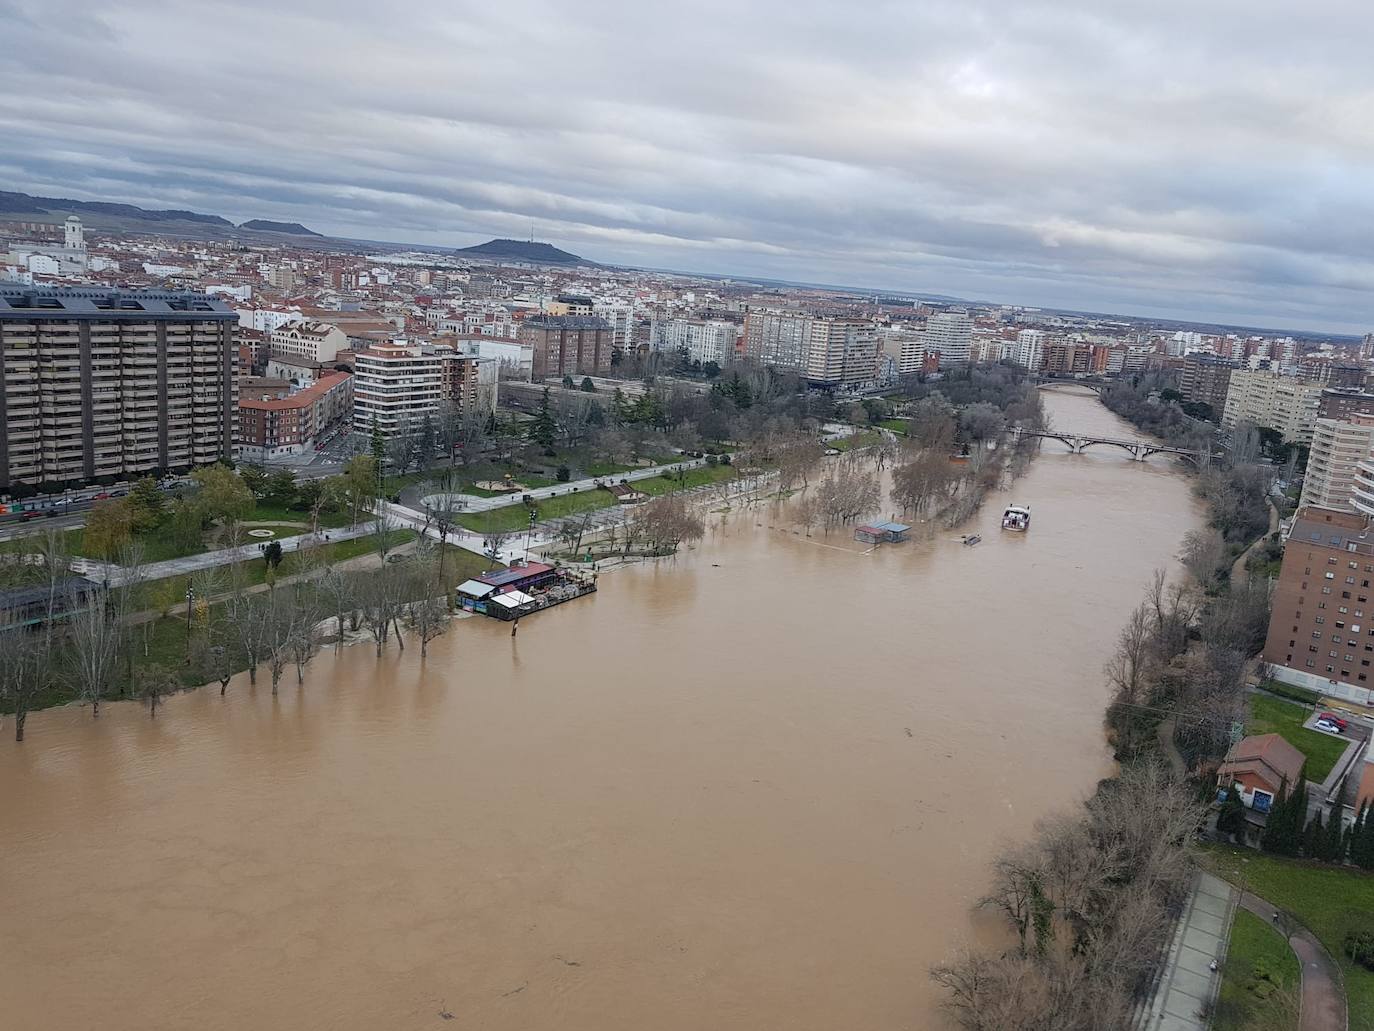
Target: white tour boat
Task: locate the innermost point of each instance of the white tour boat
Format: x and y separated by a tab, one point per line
1016	517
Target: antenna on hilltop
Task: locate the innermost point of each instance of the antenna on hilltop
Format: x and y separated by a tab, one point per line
531	230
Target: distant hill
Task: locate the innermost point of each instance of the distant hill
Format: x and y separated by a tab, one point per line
23	204
265	226
523	250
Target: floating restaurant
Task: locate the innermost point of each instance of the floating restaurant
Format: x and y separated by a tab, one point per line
523	588
882	533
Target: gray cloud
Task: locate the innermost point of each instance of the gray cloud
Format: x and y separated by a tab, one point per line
1191	160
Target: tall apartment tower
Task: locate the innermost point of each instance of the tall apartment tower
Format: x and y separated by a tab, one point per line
950	333
99	385
568	345
1338	449
1029	351
75	238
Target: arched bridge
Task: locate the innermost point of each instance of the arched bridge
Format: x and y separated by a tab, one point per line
1139	450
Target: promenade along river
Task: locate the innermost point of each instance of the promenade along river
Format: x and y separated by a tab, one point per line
756	787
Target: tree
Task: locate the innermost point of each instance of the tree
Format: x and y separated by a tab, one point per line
1204	553
665	523
360	484
588	387
931	423
543	429
281	490
377	444
1231	816
846	493
93	649
154	681
222	496
428	441
444	515
255	479
24	673
982	422
926	478
427	618
184	527
567	381
146	505
109	527
272	554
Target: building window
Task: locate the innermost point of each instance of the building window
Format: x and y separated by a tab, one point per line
1319	620
1311	664
1331	576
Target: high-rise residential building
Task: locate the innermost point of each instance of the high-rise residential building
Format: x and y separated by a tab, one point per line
1029	352
1320	631
778	338
906	347
395	384
1338	447
833	352
842	353
467	378
1205	379
1274	401
568	345
704	340
1343	402
951	334
99	385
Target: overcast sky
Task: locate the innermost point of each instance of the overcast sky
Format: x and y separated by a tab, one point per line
1204	159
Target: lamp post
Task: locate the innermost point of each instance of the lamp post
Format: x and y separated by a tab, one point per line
529	534
190	597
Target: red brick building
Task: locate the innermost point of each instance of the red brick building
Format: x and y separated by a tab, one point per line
289	424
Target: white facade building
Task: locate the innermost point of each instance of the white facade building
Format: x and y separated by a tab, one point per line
950	333
1029	351
704	340
397	384
1338	448
318	341
1272	400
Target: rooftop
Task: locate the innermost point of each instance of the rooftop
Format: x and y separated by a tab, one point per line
37	303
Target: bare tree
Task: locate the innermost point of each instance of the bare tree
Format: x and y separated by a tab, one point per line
846	493
444	514
93	652
1204	553
427	618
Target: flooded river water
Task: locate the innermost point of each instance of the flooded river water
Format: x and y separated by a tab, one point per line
755	787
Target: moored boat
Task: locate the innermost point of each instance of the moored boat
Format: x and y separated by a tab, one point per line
1016	517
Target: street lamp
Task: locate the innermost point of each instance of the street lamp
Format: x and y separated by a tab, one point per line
190	597
529	534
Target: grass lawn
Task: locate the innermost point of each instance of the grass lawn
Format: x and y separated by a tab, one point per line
692	478
265	513
1274	716
607	469
1259	966
895	425
516	517
1328	899
864	438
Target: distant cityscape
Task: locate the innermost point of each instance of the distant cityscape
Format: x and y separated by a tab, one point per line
126	352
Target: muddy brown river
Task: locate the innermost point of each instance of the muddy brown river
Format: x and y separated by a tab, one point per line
755	787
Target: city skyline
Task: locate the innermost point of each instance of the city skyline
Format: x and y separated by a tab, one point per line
1188	165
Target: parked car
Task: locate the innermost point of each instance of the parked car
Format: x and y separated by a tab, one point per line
1331	717
1326	727
30	515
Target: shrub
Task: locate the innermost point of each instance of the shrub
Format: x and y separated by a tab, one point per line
1292	691
712	461
563	475
1359	946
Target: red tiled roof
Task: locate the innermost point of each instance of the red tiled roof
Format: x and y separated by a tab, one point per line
302	398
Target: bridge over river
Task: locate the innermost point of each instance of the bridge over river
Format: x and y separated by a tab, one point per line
1139	450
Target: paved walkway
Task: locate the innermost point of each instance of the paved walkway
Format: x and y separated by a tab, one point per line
472	503
97	570
1188	985
1323	998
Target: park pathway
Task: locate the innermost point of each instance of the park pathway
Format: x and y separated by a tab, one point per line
1188	984
1238	567
1323	997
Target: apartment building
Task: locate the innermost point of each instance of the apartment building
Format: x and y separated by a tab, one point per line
1269	399
703	340
317	341
395	384
1343	402
1205	379
277	424
568	345
1338	447
778	338
951	334
1029	350
1321	634
99	385
842	353
467	378
906	347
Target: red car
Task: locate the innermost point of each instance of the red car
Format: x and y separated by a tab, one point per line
1331	717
